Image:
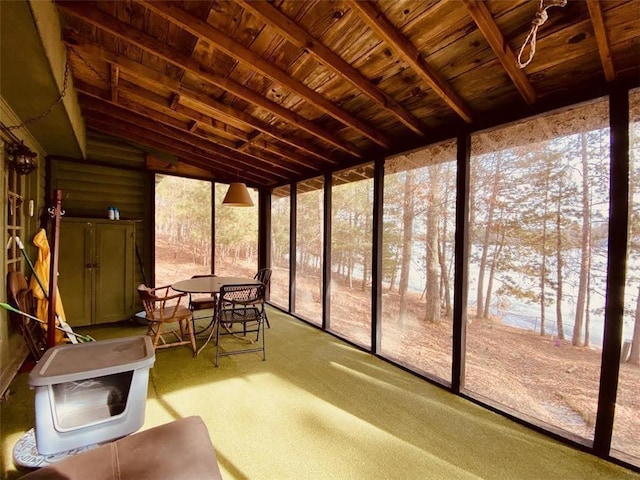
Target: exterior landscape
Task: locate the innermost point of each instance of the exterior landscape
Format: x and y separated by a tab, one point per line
537	254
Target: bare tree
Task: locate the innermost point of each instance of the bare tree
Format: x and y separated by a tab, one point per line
585	247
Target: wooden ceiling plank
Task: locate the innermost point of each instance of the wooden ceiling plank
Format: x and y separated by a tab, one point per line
125	116
115	77
179	168
175	99
85	12
148	75
300	37
491	32
602	39
397	41
202	30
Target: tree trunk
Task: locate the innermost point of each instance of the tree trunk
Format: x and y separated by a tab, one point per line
407	241
492	273
444	270
559	263
585	247
487	236
634	354
543	262
432	312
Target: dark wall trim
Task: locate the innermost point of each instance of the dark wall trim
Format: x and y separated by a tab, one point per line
461	257
326	253
264	229
616	269
293	244
376	257
213	227
150	238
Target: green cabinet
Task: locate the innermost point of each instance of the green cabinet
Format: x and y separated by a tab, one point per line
96	270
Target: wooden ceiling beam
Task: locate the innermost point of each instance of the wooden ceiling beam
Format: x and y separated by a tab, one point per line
491	32
300	37
602	39
152	77
258	142
150	138
156	141
179	168
202	30
243	159
87	13
143	108
410	54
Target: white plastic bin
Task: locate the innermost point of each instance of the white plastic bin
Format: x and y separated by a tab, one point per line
90	392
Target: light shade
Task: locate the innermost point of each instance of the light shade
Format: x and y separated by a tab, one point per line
237	196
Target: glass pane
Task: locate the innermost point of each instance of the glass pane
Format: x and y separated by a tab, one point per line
309	247
280	219
236	236
538	236
183	229
625	441
351	235
417	259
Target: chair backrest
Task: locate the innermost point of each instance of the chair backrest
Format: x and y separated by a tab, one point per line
21	297
15	282
263	275
203	276
148	299
232	296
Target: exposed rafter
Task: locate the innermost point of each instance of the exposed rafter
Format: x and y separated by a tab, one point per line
398	42
149	44
151	77
298	36
184	136
491	32
202	30
597	19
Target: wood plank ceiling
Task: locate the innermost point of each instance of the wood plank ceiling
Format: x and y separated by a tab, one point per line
278	91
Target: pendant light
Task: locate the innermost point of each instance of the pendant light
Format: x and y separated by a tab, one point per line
237	196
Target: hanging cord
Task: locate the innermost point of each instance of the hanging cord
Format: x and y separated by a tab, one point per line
65	84
540	17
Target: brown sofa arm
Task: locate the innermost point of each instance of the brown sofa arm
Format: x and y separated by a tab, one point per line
176	450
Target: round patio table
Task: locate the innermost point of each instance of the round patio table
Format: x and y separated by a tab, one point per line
210	285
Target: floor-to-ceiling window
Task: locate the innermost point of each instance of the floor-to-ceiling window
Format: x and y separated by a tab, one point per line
236	236
625	442
280	243
538	233
183	228
309	248
351	237
417	259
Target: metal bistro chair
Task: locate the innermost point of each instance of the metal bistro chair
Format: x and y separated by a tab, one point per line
240	305
264	275
202	303
159	313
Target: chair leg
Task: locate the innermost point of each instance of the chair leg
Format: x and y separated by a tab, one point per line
217	341
266	319
264	350
156	333
192	337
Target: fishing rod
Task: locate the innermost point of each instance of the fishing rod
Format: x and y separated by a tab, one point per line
79	336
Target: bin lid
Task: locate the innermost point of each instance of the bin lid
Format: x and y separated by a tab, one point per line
68	363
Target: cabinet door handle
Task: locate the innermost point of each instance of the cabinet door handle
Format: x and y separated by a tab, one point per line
92	265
